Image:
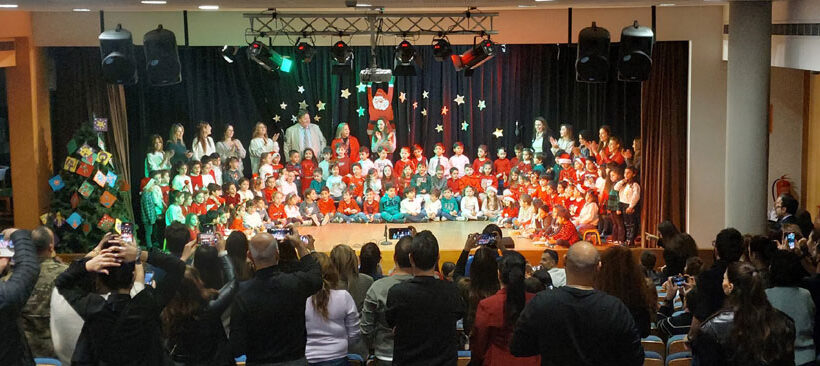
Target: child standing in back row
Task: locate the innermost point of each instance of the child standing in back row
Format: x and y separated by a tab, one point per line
458	160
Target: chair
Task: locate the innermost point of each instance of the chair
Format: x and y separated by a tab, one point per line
654	344
679	359
652	359
355	360
47	362
595	235
240	361
464	358
676	344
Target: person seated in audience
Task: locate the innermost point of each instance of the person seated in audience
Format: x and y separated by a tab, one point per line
549	263
787	296
496	316
648	261
309	210
370	258
389	206
14	293
370	207
326	206
746	329
423	311
621	276
476	276
120	330
669	322
728	249
268	314
411	207
237	249
608	338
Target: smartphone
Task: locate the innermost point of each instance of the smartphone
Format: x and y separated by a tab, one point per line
6	247
790	240
127	232
208	229
486	239
396	233
679	280
149	278
280	234
304	239
208	239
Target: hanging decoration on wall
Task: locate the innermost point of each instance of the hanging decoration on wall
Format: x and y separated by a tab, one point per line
303	105
85	151
424	112
346	93
415	105
111	178
277	118
444	110
425	94
361	88
481	105
439	128
74	200
464	125
106	222
320	106
360	111
100	124
71	146
402	97
459	99
75	220
498	133
317	118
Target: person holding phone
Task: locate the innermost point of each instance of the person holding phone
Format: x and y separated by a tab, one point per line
14	293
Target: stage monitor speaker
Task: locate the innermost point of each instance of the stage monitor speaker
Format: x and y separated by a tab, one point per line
161	57
592	64
117	52
635	53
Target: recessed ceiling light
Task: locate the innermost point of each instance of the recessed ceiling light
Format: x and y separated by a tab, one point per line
209	7
154	2
543	1
666	4
82	9
526	6
363	5
8	5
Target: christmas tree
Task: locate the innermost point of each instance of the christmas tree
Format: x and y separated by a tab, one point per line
90	196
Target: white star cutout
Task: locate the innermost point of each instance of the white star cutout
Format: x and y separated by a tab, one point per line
464	126
425	94
402	97
498	133
277	118
439	128
301	89
481	105
317	118
459	99
320	106
443	110
293	118
345	93
424	112
303	105
415	105
283	105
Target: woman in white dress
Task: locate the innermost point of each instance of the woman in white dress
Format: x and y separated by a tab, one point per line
203	144
230	147
261	143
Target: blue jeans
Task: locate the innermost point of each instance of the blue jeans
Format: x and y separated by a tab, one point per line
446	215
357	217
336	362
421	217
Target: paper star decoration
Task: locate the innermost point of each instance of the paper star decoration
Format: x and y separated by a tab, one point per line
443	110
425	94
277	118
424	112
283	105
498	133
402	97
481	105
301	89
360	111
320	106
459	99
361	87
302	105
415	105
345	93
317	118
439	128
293	118
464	126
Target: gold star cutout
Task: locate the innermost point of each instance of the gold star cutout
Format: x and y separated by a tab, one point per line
277	118
320	106
317	118
481	105
439	128
498	133
345	93
302	105
402	97
424	112
301	89
283	105
464	126
443	110
425	94
415	105
459	99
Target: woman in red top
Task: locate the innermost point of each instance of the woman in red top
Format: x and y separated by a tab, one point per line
350	143
496	316
567	234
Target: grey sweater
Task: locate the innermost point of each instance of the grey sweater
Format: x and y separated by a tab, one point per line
797	303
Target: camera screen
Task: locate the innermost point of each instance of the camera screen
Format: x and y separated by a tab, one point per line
280	234
398	233
486	239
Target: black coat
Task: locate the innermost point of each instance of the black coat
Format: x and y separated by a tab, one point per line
14	293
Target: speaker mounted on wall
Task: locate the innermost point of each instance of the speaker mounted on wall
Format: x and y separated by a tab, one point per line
635	53
161	57
117	51
592	64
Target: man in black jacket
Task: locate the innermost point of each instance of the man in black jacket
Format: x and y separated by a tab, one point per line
268	315
120	330
14	293
728	246
576	324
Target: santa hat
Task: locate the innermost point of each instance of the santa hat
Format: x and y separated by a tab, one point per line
491	188
581	160
564	159
581	188
508	196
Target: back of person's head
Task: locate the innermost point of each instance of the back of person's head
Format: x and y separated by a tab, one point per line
484	273
369	257
729	245
533	285
287	252
347	264
511	270
648	260
447	269
264	250
237	247
789	203
176	236
694	265
206	261
668	230
401	252
424	251
786	269
43	238
582	262
495	230
543	276
762	248
622	277
118	278
677	250
189	298
330	280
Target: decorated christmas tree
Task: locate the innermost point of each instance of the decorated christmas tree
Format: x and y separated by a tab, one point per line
90	196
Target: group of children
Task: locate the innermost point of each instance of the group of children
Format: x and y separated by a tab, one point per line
549	203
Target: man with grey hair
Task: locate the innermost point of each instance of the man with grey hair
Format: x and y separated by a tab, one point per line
304	135
268	316
584	326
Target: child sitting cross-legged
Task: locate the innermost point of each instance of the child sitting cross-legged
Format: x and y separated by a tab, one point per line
390	205
349	210
370	207
411	206
326	205
432	206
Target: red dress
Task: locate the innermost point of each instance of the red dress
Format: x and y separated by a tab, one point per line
567	232
308	166
478	163
490	338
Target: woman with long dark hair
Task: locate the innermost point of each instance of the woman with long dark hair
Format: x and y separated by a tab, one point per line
203	144
207	262
748	331
621	276
370	257
481	281
237	246
496	315
676	251
787	296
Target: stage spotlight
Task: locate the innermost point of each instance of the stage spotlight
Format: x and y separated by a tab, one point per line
635	53
268	59
441	49
343	55
305	51
229	53
592	65
405	54
475	57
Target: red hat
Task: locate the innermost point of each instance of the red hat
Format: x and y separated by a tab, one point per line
582	160
564	159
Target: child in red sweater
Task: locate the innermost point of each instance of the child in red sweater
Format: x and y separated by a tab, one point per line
470	179
510	211
370	207
198	205
276	210
355	182
518	150
455	183
481	159
404	161
486	179
418	156
349	210
342	160
269	190
326	205
309	164
404	179
502	167
215	200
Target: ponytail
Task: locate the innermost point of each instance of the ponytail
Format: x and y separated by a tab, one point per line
512	276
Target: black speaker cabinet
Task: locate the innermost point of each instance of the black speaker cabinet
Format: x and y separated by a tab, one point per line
592	64
635	53
117	52
161	57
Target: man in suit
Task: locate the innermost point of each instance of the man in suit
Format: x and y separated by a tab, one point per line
304	135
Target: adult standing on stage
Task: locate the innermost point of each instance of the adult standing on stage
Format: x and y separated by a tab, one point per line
351	143
203	144
564	142
230	147
260	144
602	150
541	138
177	145
383	136
304	135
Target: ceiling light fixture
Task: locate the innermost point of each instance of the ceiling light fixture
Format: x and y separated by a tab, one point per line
543	1
666	4
82	10
209	7
8	6
526	6
154	2
363	5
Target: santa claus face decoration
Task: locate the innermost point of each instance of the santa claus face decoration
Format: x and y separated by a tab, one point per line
380	102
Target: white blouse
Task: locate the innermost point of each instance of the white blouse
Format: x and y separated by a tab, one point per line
199	151
229	150
258	147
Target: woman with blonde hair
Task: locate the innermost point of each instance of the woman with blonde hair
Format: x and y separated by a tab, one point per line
346	262
260	144
350	142
203	144
177	145
230	147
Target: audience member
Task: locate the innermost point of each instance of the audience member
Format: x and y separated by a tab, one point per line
557	324
211	267
621	277
761	251
648	261
344	259
423	310
746	330
268	315
786	296
237	246
672	323
370	257
728	249
785	209
496	315
483	280
332	321
14	293
549	263
666	231
448	269
676	251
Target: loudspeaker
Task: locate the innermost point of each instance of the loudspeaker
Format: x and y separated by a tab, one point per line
161	57
117	52
592	65
635	54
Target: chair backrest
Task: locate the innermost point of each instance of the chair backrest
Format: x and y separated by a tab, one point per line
463	361
652	362
675	346
42	361
654	346
680	362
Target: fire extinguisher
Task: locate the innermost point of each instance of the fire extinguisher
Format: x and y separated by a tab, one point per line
780	186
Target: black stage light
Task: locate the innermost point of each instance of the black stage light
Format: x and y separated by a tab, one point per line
229	53
635	53
405	54
305	51
441	49
475	57
592	64
343	55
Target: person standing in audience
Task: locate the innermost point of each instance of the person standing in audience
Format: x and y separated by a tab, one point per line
549	262
370	257
728	249
423	310
14	292
476	276
746	330
260	144
560	325
203	144
230	147
268	314
787	296
374	327
237	247
621	276
346	264
496	316
331	320
177	145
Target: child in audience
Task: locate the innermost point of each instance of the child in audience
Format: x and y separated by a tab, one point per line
455	183
458	160
502	167
309	164
326	206
404	161
470	209
364	159
373	182
244	192
198	205
295	166
195	171
421	181
270	188
382	161
232	174
287	184
432	207
325	163
439	160
509	213
526	212
438	180
230	194
491	206
449	205
349	210
390	205
317	183
342	160
292	212
370	207
266	166
403	181
335	183
181	181
481	159
588	218
310	210
276	210
411	206
355	182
